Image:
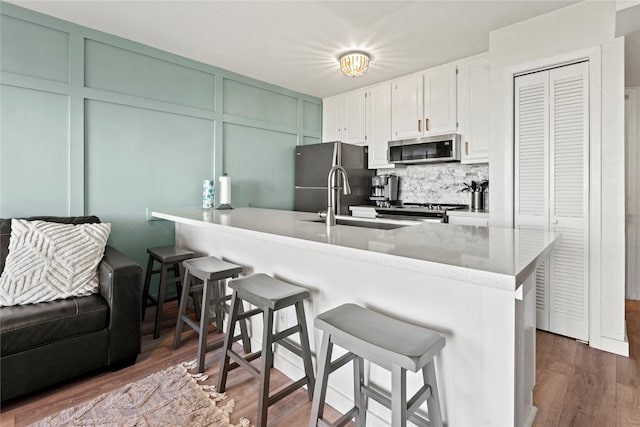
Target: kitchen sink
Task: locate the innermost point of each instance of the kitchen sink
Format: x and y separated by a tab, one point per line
378	225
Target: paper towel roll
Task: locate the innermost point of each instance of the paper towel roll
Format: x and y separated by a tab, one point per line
224	190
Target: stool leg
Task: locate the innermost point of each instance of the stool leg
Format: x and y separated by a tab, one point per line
145	291
398	396
358	395
324	369
218	293
177	275
160	299
244	332
433	402
306	351
207	290
182	310
228	341
265	372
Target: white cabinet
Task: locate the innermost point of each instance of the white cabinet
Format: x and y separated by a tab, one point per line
407	107
473	109
343	118
424	104
332	119
552	186
378	124
440	100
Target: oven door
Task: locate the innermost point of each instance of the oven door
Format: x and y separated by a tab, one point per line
411	217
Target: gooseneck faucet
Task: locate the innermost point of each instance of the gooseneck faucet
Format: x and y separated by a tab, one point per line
331	195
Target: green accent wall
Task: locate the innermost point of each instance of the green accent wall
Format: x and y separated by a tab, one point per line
95	124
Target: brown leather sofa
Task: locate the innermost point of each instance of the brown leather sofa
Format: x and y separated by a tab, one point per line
43	344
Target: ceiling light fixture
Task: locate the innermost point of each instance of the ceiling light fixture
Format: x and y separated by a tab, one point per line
354	64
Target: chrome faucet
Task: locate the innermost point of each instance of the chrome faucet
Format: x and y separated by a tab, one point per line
331	195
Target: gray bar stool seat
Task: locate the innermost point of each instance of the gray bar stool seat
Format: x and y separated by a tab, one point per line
213	272
267	295
390	343
169	257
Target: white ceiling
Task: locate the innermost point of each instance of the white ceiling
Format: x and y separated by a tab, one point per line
294	44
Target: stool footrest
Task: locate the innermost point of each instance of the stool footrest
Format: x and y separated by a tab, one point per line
419	398
246	314
386	401
343	420
293	348
286	391
244	362
191	323
341	361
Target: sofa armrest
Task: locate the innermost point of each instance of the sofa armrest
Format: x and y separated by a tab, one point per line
121	286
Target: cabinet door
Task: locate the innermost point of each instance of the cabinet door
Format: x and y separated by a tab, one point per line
332	119
440	100
473	110
353	118
378	121
406	107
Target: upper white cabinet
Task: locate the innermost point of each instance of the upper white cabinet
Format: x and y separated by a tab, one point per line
378	124
424	104
407	107
353	118
343	118
332	119
440	100
473	109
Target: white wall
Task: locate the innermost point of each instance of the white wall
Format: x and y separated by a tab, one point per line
632	112
580	26
585	29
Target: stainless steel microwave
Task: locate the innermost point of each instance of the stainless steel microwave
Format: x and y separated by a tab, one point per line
428	149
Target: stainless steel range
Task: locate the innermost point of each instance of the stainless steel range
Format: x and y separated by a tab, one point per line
429	212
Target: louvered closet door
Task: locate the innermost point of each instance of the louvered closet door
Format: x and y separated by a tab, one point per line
532	171
569	125
551	189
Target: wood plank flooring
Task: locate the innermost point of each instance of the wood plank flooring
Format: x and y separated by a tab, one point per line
579	386
575	385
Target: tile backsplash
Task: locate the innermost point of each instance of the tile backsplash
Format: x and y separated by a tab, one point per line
437	183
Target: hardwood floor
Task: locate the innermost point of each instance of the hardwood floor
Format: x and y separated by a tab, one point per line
579	386
575	385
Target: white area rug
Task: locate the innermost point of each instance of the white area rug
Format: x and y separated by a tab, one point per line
171	397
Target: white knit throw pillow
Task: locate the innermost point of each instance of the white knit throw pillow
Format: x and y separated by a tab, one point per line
49	261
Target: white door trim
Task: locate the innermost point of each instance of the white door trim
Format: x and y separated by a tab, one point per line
633	201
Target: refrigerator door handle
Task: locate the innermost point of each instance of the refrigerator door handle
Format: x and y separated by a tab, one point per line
298	187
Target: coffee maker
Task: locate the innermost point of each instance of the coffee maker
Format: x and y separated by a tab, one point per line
384	190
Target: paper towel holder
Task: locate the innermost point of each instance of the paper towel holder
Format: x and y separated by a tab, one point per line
224	189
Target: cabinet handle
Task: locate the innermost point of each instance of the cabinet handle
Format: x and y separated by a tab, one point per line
554	221
466	148
426	124
419	129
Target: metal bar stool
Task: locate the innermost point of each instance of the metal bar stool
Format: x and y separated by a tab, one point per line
389	343
267	295
169	257
213	273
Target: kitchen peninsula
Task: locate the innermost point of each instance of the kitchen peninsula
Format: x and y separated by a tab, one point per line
473	284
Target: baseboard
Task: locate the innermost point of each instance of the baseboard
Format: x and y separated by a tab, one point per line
528	422
615	346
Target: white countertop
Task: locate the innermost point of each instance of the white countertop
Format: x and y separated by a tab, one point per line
496	257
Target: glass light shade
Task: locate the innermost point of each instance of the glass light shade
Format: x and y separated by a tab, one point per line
354	64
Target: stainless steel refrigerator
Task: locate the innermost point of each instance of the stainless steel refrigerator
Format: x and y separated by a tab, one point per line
313	163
